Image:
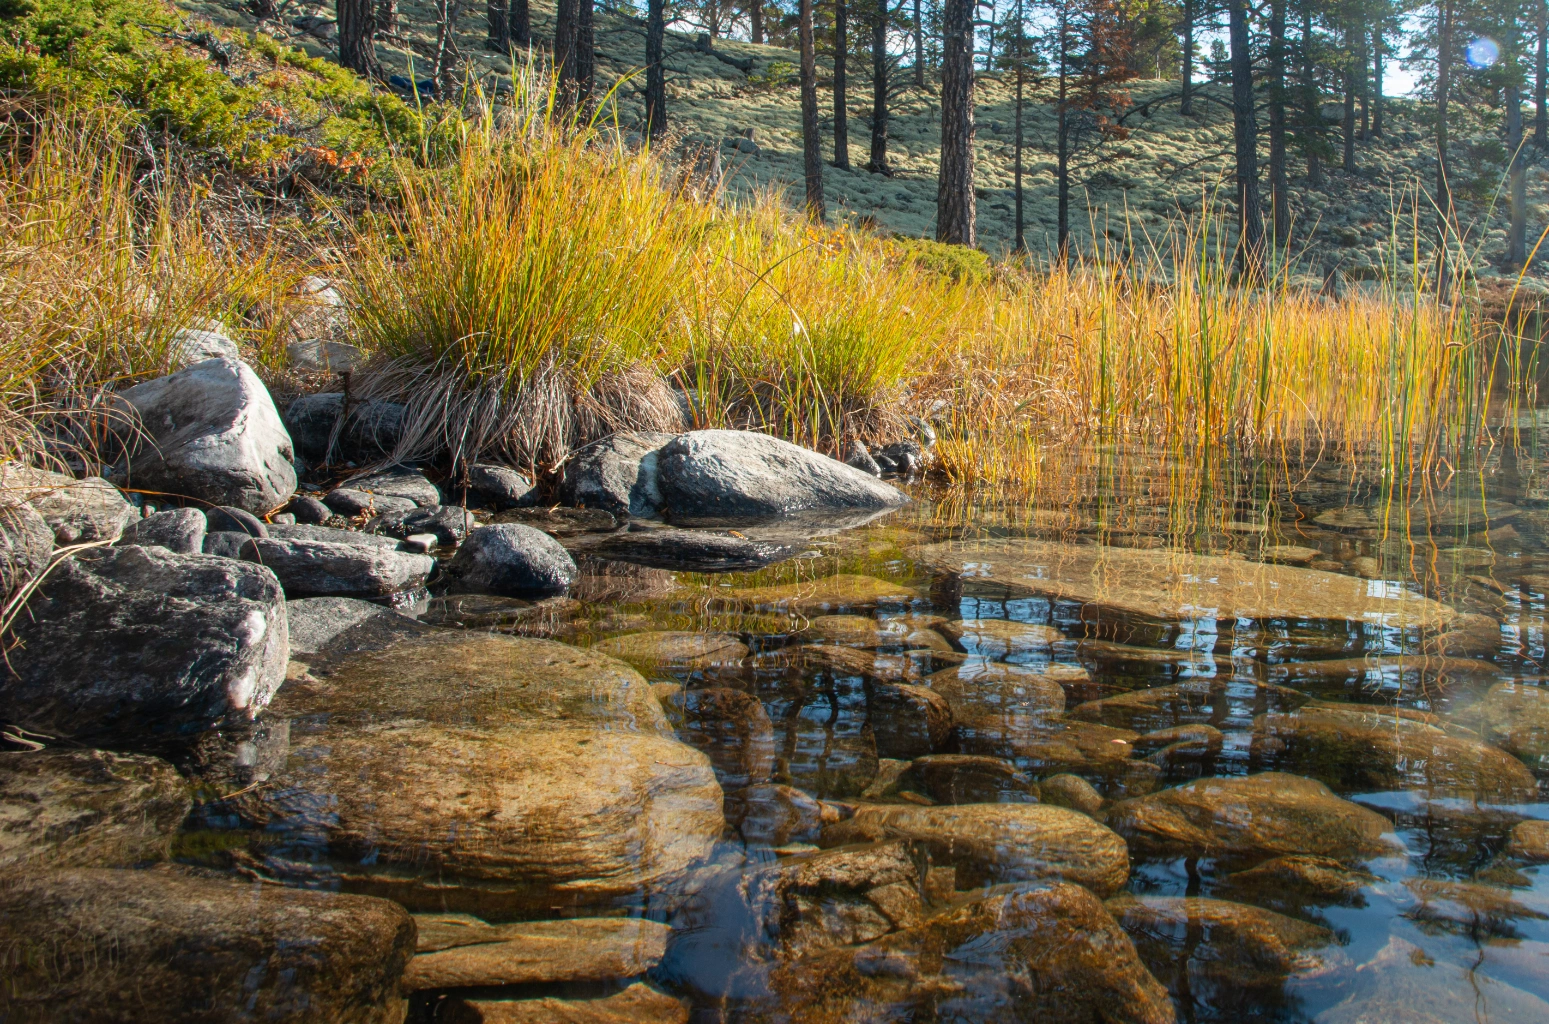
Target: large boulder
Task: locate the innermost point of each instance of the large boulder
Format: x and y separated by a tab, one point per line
486	773
711	473
992	843
196	344
1360	748
1251	818
180	530
1050	955
397	482
617	474
459	951
512	560
212	433
307	568
26	542
126	646
77	511
87	808
159	945
371	430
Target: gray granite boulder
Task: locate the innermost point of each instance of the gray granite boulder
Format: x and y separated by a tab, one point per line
194	345
712	473
309	568
78	511
211	432
349	502
617	475
26	543
449	523
499	487
396	482
370	432
129	646
180	530
512	560
319	624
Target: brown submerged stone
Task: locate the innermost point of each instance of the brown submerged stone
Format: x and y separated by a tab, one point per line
1360	748
968	779
1072	791
1529	840
1252	817
87	808
1469	908
165	944
992	843
1047	955
831	594
1203	700
637	1004
674	650
1516	716
1054	745
863	631
978	689
1199	945
458	951
1128	592
996	639
1297	881
908	721
732	729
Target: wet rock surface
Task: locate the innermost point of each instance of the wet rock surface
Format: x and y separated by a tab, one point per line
670	649
449	523
74	944
639	1003
460	951
511	560
691	550
617	474
128	646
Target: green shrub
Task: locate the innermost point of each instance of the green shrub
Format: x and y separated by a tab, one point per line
957	262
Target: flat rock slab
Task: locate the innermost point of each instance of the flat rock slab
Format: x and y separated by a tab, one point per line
1251	818
907	633
150	946
740	473
561	522
1213	701
397	482
674	650
457	951
691	551
307	568
1447	514
319	624
128	646
1130	591
637	1004
997	639
1404	982
832	593
990	843
1529	840
87	808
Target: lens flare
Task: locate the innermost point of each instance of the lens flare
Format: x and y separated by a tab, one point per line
1483	52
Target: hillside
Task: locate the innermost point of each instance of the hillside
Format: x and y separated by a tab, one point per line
1168	163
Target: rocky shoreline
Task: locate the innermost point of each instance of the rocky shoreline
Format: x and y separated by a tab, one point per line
284	751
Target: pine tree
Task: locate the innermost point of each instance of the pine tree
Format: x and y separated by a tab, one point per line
955	201
357	26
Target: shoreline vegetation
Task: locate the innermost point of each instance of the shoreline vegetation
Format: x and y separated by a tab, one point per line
527	283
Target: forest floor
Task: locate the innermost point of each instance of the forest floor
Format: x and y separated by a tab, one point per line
1127	192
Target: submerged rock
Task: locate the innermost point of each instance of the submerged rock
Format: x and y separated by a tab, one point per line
1469	908
832	593
459	951
775	815
691	551
1051	955
1516	716
87	808
309	568
77	511
617	474
990	843
1072	791
1530	841
1251	818
1208	701
967	779
707	473
75	944
999	639
511	560
637	1004
126	646
674	649
1004	696
212	433
1403	982
732	729
907	633
908	721
1209	950
1360	748
1052	745
179	530
488	774
1293	883
1147	594
319	624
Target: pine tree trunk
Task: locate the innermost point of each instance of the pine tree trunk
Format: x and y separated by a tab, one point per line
1020	244
1245	141
499	37
841	99
386	16
955	199
1362	83
1541	79
446	47
521	22
878	163
1443	186
1062	141
566	26
756	21
1186	106
586	53
1279	194
357	24
811	146
1516	237
1348	75
1312	106
655	74
1377	80
919	47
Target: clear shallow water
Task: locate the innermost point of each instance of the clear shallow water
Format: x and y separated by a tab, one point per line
800	676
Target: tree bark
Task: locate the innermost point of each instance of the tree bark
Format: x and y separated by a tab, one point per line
585	53
1516	236
878	163
446	46
655	74
1020	243
1444	14
567	14
1279	194
1377	80
386	16
841	99
1362	82
1062	138
1245	142
1349	123
357	24
1186	105
1541	79
955	199
756	21
1312	106
811	146
521	22
919	47
499	36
